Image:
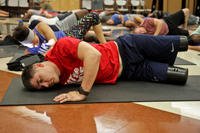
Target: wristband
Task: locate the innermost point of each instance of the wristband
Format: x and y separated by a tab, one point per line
82	91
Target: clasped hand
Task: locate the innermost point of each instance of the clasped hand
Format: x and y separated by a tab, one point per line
70	96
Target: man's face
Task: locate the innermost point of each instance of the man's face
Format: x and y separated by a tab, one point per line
140	30
45	76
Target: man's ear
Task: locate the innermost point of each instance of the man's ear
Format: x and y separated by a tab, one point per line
39	65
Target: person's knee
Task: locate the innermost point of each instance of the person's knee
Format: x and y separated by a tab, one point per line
29	12
85	11
186	11
81	13
95	18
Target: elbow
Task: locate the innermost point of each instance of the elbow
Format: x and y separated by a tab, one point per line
96	57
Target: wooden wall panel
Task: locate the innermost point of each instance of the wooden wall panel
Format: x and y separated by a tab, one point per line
55	4
172	6
148	4
63	5
190	5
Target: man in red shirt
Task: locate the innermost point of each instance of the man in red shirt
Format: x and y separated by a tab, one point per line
129	57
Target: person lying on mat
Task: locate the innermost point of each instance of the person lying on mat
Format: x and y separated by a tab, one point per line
192	20
128	20
195	37
4	13
65	23
42	37
45	10
129	57
166	26
61	22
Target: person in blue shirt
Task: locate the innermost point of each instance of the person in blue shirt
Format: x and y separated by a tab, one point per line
128	20
42	37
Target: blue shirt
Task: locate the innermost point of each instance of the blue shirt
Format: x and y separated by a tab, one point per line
42	39
117	20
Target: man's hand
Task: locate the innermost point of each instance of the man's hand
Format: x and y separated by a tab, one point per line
70	96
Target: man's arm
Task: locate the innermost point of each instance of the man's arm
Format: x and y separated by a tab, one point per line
110	22
197	48
138	19
48	33
91	59
158	24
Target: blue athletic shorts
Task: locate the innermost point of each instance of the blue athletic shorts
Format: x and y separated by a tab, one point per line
147	57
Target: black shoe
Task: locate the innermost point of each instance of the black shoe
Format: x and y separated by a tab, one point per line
183	46
177	75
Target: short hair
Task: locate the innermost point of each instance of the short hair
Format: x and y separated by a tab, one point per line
27	75
20	33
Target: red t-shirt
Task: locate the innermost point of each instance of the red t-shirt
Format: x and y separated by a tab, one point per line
65	55
148	24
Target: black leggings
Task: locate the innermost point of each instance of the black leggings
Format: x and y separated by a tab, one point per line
80	29
174	21
83	26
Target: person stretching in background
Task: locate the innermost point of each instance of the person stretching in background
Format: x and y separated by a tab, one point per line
42	37
128	20
166	26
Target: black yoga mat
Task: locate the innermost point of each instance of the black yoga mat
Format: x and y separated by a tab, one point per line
119	32
15	56
10	50
180	61
123	91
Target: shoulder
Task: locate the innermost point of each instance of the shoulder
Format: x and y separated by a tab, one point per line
66	46
149	20
68	41
114	16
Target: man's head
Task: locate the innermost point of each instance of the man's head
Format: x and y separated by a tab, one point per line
40	76
194	39
139	30
25	36
20	33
